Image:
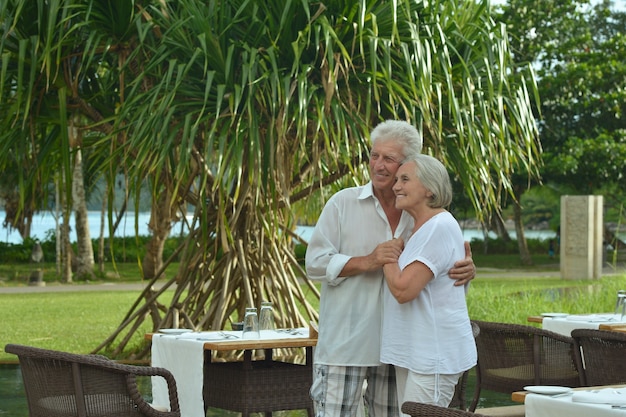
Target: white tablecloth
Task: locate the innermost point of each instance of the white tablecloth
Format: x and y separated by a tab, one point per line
538	405
183	356
565	325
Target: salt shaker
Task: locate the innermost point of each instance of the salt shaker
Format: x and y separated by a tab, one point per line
266	317
250	324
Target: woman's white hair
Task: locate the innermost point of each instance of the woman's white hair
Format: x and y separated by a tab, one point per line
434	176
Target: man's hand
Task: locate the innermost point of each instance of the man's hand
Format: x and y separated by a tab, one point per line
464	270
387	252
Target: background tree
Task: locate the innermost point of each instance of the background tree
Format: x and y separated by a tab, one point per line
240	109
584	108
578	52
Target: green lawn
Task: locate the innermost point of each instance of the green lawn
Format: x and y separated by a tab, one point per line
70	321
80	321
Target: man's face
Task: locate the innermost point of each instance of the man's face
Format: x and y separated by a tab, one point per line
385	160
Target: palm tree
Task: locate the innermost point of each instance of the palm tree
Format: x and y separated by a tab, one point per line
241	109
38	67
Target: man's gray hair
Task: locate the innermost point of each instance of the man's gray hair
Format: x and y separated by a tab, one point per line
403	132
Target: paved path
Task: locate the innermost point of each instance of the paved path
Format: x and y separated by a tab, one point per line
138	286
553	273
56	287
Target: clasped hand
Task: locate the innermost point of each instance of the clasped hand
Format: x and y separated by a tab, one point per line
388	252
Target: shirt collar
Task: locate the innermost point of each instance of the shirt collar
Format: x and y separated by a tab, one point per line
367	191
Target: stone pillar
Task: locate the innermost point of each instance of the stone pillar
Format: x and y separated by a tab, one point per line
36	276
581	236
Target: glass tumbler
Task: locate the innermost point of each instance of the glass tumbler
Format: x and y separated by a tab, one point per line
250	324
266	317
620	304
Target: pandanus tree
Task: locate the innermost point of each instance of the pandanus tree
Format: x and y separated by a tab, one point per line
237	111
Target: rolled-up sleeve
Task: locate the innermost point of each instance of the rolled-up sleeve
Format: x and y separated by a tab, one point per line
323	260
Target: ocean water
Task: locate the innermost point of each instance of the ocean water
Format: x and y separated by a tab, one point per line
44	224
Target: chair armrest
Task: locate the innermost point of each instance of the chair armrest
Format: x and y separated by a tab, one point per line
133	371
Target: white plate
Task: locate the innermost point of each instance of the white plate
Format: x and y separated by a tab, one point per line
547	389
175	331
554	314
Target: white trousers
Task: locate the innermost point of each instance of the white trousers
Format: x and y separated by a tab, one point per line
436	389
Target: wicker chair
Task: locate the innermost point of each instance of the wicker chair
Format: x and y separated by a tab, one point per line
511	356
415	409
60	384
602	356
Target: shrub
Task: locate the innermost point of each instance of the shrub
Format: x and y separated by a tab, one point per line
125	249
131	248
498	246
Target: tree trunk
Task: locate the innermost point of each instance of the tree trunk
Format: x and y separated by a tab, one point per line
57	231
101	257
497	225
84	257
522	245
66	249
160	225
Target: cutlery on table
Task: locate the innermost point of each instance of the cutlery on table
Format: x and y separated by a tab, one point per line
228	335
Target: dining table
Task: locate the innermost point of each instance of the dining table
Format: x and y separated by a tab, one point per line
564	323
550	401
252	383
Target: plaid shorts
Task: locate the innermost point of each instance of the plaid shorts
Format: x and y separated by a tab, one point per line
338	391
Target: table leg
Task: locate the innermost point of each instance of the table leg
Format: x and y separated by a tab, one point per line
207	362
268	360
309	363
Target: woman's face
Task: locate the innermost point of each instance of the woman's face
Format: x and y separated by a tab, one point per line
409	190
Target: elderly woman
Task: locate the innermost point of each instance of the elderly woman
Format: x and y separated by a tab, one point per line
426	329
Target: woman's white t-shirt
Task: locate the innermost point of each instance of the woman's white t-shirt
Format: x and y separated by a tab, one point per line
431	334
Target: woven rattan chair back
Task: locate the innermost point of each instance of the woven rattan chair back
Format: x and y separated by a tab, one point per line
61	384
512	356
602	356
415	409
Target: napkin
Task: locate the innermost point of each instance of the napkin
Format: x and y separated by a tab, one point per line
612	396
